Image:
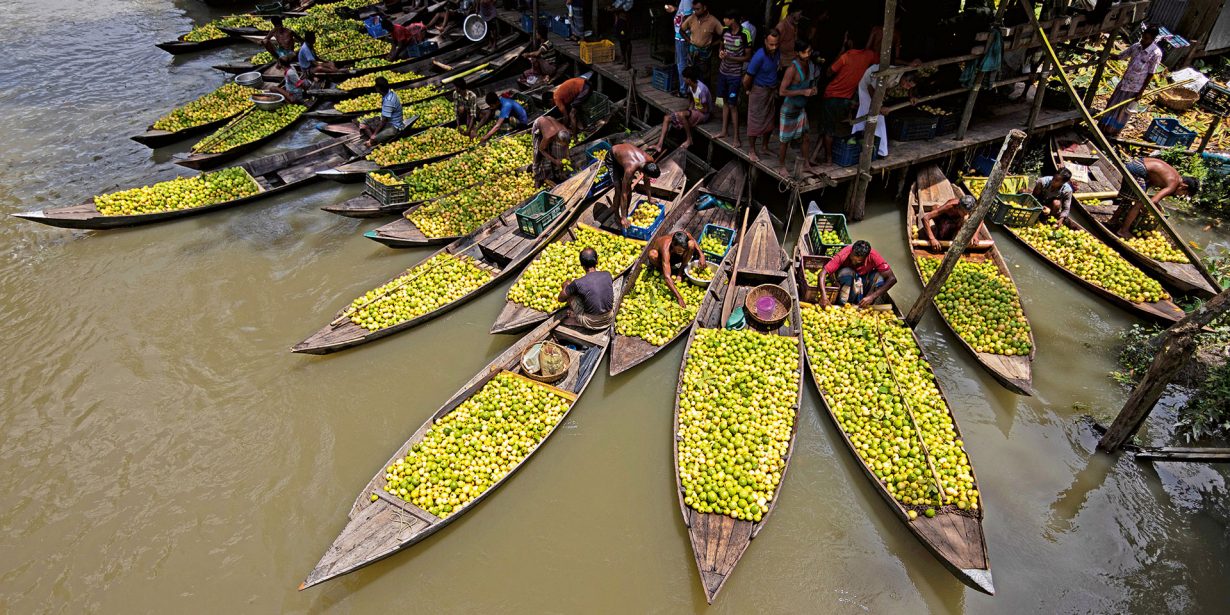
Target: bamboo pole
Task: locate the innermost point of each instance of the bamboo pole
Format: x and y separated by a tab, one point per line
1137	191
1012	144
1149	93
968	113
1208	133
1100	71
857	208
1178	343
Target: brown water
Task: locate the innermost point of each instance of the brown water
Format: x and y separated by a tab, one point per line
160	450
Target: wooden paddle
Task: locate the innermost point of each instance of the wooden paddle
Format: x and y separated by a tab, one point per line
734	271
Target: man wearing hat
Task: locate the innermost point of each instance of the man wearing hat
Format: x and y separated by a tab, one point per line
943	222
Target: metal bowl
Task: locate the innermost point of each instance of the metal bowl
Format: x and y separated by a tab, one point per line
251	79
710	265
267	101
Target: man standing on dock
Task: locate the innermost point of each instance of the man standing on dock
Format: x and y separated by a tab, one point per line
682	12
703	33
839	102
1054	192
625	161
863	275
591	297
1143	58
736	51
761	85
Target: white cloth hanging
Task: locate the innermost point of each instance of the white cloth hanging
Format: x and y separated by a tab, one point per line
864	105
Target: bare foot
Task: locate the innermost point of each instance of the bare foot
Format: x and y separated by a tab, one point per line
720	135
738	143
686	144
753	157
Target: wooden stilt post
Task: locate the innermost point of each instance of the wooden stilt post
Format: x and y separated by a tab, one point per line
1101	69
857	207
1177	345
979	77
1112	154
1012	144
1208	134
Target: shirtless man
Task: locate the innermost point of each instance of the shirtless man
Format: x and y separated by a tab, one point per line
1155	173
550	148
280	42
625	161
947	219
671	256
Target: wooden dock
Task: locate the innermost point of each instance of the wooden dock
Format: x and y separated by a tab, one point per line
901	154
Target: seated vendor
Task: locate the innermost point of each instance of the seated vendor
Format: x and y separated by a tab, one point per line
671	255
591	297
1054	193
943	223
863	276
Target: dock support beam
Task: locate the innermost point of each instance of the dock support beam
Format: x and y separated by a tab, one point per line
1177	344
979	77
1012	144
1098	72
857	207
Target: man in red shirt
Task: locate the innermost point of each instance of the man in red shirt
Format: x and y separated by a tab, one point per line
862	274
569	97
404	37
840	96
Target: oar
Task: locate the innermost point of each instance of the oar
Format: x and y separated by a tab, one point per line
939	485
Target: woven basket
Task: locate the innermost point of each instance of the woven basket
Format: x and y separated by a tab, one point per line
1178	98
781	304
554	377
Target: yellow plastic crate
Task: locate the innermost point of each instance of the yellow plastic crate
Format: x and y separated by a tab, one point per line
597	51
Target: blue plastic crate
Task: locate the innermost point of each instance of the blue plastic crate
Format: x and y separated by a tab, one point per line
983	163
559	27
846	154
645	232
722	232
1168	132
422	49
665	78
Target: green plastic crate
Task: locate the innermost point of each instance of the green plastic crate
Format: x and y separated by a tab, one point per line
1016	210
534	216
829	222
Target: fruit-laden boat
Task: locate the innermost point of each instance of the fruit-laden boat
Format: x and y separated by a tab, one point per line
874	378
244	133
1097	183
532	298
648	319
979	302
399	506
737	403
182	45
457	273
392	157
204	114
244	183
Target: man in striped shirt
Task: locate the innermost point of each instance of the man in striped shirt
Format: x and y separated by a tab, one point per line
386	126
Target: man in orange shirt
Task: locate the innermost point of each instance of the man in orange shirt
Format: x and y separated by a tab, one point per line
569	97
840	100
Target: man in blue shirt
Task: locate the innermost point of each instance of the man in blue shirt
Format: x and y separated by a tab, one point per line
510	111
681	45
389	123
309	64
760	83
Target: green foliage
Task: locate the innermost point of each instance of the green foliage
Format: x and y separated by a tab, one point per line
1136	354
1031	160
1208	415
1214	197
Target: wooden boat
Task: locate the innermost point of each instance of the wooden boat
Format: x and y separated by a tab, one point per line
209	161
180	46
1164	312
602	215
237	68
628	351
469	56
446	43
719	541
154	138
932	189
498	246
275	173
954	537
1104	181
380	528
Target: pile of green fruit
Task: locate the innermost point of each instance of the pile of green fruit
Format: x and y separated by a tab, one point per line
252	126
713	244
369	102
245	21
345	44
1156	245
321	19
263	58
179	193
812	277
200	34
737	408
833	240
1012	184
1093	261
369	80
350	4
540	283
651	312
387	179
644	212
704	274
430	112
433	283
462	212
430	143
469	168
982	306
851	352
470	449
370	63
226	101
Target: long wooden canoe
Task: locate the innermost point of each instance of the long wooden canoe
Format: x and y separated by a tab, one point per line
1085	159
209	161
153	137
181	46
468	56
628	351
380	528
1165	311
275	173
953	536
498	246
602	215
932	189
719	541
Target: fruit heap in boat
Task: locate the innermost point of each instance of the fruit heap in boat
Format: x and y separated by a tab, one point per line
463	212
224	102
1093	261
651	312
439	280
982	305
539	286
370	102
256	124
468	168
432	142
179	193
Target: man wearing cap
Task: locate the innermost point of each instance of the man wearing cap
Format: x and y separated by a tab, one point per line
943	223
863	276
